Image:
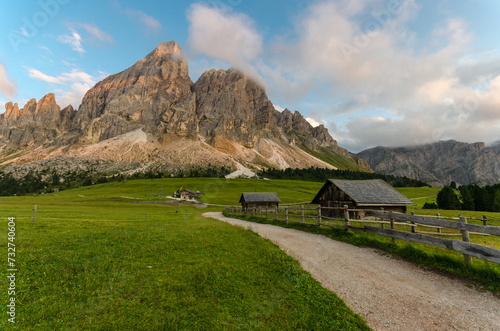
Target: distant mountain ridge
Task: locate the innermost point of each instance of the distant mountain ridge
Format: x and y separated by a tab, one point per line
439	163
152	116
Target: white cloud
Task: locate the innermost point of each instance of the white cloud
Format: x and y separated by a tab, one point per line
97	33
75	84
8	88
45	48
313	122
91	34
36	74
72	96
149	22
74	40
278	108
228	36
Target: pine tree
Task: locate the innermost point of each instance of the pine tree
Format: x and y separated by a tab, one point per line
467	199
447	199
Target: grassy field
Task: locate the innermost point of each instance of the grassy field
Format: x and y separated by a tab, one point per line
420	195
91	261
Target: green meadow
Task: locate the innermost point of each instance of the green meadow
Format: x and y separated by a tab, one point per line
93	259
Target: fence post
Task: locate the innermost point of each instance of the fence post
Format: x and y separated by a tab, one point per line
391	219
34	215
346	217
382	226
319	215
438	216
253	212
302	213
485	220
413	230
466	238
286	214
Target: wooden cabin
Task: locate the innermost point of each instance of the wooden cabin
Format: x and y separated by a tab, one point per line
260	200
360	194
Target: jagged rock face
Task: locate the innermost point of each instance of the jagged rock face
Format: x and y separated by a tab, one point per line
11	113
36	123
228	103
296	124
47	112
66	117
147	94
440	163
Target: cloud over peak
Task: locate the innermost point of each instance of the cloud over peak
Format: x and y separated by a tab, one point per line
225	35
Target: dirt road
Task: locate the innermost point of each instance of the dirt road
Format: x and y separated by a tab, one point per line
390	294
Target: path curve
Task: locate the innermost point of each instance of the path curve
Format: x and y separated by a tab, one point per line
390	294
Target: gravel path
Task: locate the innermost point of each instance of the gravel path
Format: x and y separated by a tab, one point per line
390	294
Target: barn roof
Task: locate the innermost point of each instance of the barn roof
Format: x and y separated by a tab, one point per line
260	197
367	192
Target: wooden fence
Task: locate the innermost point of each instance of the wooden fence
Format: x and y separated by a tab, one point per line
313	216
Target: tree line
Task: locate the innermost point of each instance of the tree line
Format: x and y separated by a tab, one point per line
50	180
315	174
468	197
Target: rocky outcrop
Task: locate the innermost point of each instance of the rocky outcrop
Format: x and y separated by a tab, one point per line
11	114
149	94
230	104
440	163
36	123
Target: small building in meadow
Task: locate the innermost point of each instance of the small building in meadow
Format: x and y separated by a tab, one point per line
360	194
260	200
186	194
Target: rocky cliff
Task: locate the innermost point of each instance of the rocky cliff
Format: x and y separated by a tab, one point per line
154	115
440	163
154	94
35	124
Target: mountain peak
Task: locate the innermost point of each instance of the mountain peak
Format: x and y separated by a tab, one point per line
167	48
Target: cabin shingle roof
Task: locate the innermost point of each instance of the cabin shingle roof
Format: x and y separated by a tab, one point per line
260	197
369	192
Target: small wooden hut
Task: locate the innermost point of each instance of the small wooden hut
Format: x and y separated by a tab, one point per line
260	200
360	194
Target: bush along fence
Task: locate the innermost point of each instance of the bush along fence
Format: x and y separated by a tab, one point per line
441	226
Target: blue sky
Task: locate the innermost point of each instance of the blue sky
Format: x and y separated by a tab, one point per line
388	72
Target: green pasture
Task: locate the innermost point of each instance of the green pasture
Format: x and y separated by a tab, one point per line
91	261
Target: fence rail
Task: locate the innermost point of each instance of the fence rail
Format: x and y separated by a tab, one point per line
392	219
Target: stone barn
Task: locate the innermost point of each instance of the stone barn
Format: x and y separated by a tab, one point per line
260	200
360	194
